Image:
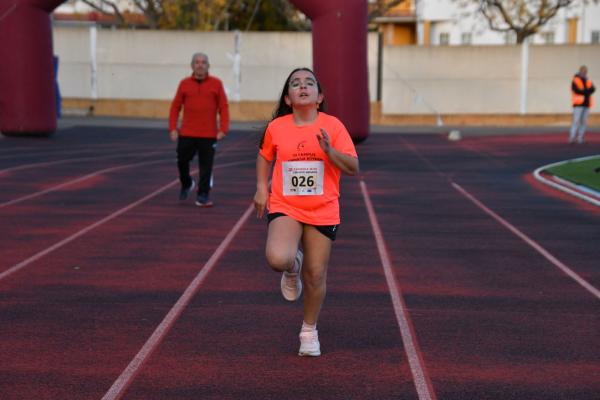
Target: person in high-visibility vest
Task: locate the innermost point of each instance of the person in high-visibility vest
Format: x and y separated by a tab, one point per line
581	96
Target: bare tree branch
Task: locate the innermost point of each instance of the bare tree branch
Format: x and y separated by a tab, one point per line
152	10
523	17
256	6
100	6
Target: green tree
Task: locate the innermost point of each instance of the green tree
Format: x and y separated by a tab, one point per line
266	15
380	8
260	15
193	14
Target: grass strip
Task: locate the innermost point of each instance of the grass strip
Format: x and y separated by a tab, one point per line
582	172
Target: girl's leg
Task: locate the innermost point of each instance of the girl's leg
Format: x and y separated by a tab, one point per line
317	248
283	238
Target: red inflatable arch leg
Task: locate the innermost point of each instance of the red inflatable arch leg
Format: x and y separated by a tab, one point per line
340	59
27	99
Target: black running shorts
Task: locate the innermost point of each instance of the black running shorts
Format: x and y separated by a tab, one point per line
328	230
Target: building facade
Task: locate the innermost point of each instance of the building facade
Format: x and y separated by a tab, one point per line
459	22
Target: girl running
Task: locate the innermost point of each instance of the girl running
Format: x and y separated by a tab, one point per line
310	150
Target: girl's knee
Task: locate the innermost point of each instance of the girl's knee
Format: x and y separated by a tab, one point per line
279	261
314	278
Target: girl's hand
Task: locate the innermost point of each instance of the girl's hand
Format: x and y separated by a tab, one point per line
323	139
344	162
260	202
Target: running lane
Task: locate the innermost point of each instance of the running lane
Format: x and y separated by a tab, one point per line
238	339
72	318
494	318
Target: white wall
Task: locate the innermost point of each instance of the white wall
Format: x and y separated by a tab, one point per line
481	79
137	64
143	64
450	80
74	71
146	64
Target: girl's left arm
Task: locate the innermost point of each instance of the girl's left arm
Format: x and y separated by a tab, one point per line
344	162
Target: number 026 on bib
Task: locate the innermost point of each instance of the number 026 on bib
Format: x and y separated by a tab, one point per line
302	178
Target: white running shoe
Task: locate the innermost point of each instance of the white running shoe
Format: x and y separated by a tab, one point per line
309	344
291	282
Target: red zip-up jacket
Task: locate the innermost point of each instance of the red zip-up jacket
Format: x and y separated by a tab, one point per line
201	102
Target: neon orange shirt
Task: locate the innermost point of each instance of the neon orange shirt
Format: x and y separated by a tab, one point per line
297	148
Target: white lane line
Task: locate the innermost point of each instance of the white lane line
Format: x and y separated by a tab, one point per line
559	264
413	352
78	180
586	285
120	386
8	11
96	224
70	160
54	150
82	232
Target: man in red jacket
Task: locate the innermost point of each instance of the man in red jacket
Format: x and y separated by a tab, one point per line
202	98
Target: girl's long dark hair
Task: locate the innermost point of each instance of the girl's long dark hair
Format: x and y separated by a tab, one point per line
282	108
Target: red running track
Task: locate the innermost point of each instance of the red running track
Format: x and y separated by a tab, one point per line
429	295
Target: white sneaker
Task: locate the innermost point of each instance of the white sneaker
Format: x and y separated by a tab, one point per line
291	282
309	344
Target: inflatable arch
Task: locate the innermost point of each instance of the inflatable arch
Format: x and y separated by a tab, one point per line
27	98
340	59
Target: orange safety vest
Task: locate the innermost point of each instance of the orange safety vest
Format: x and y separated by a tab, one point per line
578	99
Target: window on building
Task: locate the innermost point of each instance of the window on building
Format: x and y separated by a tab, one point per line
595	36
444	38
548	37
466	38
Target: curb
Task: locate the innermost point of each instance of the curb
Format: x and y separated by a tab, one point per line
580	191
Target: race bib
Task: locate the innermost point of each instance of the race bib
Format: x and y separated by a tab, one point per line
302	178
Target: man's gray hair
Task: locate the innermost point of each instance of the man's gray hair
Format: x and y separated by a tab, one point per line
199	55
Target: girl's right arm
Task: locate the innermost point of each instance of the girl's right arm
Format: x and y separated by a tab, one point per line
263	168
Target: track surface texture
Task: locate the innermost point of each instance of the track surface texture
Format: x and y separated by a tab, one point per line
455	274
